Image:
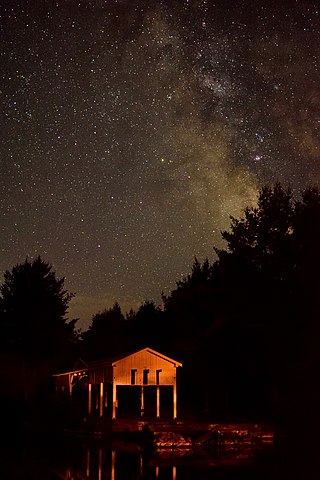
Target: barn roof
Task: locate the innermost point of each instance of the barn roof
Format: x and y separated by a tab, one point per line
84	365
149	350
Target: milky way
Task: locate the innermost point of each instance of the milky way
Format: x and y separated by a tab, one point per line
132	130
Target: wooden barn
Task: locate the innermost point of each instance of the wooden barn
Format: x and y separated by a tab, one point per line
138	382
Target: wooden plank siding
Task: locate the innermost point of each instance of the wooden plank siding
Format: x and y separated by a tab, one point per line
102	374
146	359
141	368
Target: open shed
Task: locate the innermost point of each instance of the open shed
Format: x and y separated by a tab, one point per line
146	369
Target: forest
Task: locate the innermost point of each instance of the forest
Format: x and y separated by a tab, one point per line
245	326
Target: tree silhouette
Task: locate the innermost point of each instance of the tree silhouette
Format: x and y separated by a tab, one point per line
190	307
36	337
272	256
107	334
247	318
146	326
271	270
33	307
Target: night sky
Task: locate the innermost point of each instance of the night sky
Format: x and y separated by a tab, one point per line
131	130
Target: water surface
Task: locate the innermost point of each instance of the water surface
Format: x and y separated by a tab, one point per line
79	459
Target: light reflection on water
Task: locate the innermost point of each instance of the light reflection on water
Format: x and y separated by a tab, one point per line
79	460
129	462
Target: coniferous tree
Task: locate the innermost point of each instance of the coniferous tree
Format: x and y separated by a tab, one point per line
37	338
249	318
146	328
33	306
271	269
107	334
190	307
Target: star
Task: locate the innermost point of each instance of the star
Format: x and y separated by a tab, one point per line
132	132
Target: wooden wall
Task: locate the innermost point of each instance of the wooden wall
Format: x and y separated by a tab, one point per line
141	361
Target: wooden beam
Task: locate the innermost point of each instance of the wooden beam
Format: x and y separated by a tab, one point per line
89	398
70	384
175	399
158	401
142	401
101	399
114	400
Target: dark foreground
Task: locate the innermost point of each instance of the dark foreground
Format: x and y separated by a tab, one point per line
145	457
123	461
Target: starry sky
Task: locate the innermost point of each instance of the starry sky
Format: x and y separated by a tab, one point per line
131	130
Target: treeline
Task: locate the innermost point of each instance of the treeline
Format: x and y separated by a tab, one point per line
245	326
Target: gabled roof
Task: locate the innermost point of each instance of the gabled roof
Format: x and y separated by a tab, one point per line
149	350
82	365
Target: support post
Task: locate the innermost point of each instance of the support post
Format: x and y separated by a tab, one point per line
114	400
89	399
70	384
101	399
142	401
158	401
175	399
